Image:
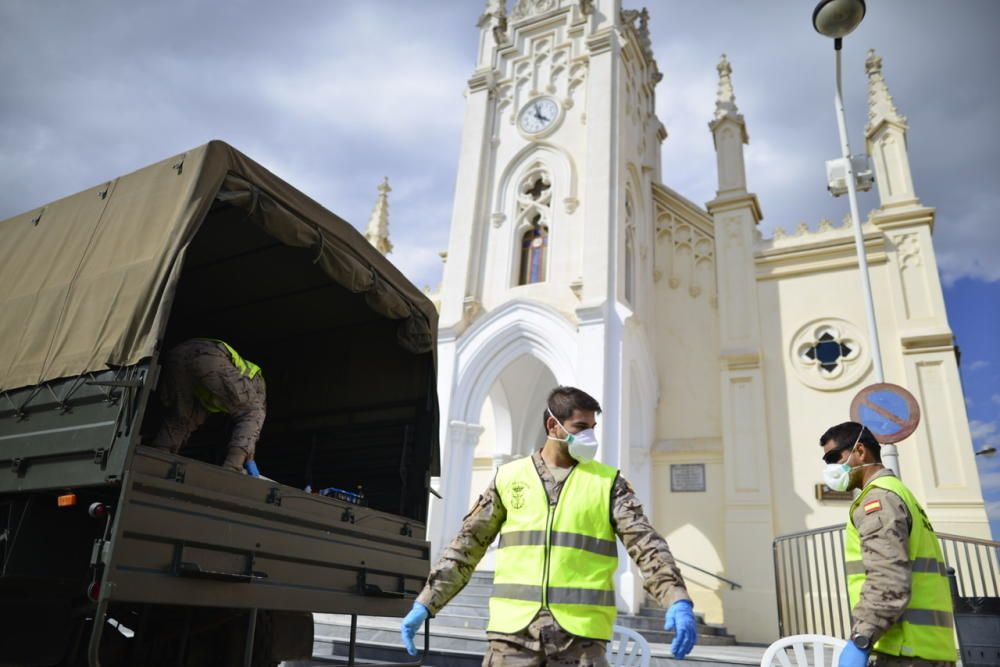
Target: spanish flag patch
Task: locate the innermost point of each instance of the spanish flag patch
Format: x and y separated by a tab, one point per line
872	506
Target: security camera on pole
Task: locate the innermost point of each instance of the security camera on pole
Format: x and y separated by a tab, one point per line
848	174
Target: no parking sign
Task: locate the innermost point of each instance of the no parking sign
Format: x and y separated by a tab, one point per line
887	410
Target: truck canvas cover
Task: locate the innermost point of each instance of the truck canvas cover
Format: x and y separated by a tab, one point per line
94	286
83	280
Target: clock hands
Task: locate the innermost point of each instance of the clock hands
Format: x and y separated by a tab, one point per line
534	115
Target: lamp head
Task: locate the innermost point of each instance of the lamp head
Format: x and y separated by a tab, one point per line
838	18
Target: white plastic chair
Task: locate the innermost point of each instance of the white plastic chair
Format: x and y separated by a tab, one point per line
807	650
627	648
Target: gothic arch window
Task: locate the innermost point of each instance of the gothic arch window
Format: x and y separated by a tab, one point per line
629	251
534	209
534	253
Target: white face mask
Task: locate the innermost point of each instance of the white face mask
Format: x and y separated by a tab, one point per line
582	446
837	476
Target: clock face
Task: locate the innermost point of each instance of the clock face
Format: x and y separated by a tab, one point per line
538	115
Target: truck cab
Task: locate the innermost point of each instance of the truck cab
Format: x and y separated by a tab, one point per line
116	553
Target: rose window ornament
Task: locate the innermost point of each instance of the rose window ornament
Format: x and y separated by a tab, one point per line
828	354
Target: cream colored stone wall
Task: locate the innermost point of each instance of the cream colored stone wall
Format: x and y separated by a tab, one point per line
808	281
692	523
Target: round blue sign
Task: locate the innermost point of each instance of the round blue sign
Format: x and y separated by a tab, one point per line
890	412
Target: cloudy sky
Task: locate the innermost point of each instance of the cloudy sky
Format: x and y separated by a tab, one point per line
334	95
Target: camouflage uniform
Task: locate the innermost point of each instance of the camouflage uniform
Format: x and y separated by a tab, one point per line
885	538
543	641
206	364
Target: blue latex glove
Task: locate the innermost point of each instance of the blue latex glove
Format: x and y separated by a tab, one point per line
680	618
251	468
411	624
852	656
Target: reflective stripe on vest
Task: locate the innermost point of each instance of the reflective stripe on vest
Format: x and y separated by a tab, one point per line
926	628
246	368
561	557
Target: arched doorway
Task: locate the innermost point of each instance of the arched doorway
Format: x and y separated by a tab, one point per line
508	362
512	422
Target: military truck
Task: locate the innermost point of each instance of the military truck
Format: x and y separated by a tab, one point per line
116	553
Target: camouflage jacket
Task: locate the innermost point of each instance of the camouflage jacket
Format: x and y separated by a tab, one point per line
662	579
885	537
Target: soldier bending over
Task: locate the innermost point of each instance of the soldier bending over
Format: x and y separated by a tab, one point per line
201	376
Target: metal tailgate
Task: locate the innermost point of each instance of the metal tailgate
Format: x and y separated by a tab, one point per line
187	532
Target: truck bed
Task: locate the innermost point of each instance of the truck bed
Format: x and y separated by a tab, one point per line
192	533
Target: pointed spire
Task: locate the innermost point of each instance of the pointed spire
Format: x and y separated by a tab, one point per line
494	18
880	104
725	99
377	232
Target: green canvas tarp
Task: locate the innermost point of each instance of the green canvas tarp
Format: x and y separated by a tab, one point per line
84	280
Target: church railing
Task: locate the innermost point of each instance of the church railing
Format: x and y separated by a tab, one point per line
732	584
811	584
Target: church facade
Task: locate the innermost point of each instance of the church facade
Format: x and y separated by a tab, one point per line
718	356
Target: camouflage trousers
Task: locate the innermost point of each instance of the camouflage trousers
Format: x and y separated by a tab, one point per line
882	660
543	642
205	364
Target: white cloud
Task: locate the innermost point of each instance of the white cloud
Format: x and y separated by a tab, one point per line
978	365
993	510
995	398
981	429
989	478
969	248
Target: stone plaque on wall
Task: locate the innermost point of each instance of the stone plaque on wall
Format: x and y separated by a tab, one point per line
823	492
685	477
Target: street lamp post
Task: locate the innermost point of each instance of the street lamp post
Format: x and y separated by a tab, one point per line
836	19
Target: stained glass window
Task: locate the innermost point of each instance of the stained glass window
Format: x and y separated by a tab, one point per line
828	350
534	248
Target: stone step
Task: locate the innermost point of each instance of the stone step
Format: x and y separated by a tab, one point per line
470	612
643	623
471	598
456	608
335	653
384	631
378	641
708	636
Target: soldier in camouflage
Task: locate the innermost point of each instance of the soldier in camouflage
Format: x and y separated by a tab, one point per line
201	376
884	525
543	640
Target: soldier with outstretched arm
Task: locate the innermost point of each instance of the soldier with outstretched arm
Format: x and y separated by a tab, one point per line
557	513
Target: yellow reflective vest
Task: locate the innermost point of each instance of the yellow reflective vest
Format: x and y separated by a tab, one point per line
560	557
246	368
926	628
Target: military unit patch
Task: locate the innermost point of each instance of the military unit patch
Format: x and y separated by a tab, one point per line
872	506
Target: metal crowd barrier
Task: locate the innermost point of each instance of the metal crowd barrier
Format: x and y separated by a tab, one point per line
811	584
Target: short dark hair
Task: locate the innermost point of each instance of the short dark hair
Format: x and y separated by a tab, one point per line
846	434
562	401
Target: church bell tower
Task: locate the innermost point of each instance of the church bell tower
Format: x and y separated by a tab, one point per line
550	255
